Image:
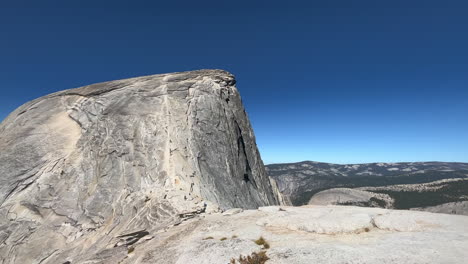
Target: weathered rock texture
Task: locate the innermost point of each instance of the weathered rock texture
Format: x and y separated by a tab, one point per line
87	172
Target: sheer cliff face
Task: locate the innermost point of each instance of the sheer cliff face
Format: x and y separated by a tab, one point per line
81	167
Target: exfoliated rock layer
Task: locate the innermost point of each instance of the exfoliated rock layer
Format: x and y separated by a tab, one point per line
88	172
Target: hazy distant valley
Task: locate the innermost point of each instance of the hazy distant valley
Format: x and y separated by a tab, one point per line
430	186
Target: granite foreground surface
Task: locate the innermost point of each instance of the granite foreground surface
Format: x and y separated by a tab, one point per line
86	173
310	234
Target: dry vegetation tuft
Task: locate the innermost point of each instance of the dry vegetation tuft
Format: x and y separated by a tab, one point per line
262	242
254	258
130	250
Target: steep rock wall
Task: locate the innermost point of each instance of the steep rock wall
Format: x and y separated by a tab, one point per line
96	168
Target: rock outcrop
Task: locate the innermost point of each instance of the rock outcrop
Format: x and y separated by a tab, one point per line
88	173
347	196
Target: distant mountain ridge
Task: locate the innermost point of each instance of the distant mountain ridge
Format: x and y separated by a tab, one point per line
300	181
363	169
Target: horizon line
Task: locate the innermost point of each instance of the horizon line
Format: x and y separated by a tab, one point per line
284	163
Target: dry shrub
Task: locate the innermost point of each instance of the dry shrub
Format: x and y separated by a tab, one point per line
262	242
254	258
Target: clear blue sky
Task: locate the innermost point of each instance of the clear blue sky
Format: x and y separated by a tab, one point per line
334	81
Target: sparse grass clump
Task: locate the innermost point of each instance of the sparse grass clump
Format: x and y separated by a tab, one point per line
234	236
223	238
254	258
262	242
130	250
210	237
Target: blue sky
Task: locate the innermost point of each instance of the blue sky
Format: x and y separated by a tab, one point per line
332	81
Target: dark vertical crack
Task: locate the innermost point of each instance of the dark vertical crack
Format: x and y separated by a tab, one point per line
241	151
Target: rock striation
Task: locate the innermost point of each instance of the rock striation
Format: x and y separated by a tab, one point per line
88	173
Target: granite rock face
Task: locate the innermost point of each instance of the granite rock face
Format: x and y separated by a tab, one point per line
87	173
